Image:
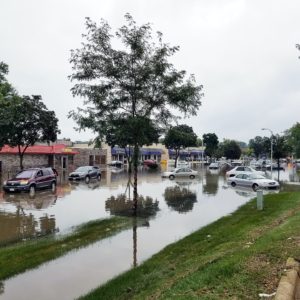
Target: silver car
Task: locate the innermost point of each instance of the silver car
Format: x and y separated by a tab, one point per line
180	172
255	181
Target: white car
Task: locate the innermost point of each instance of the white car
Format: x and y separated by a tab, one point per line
180	172
243	170
253	180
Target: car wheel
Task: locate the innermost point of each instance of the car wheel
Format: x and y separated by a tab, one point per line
53	186
99	177
171	176
192	176
255	187
233	183
32	190
87	179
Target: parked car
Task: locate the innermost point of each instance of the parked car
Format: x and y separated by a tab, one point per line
180	172
253	180
85	173
116	163
31	180
150	163
243	170
214	166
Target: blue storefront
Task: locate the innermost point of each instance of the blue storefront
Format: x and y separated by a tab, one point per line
122	154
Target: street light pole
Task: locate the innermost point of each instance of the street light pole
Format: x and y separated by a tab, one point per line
202	153
271	138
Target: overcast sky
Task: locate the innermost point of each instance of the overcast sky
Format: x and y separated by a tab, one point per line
242	52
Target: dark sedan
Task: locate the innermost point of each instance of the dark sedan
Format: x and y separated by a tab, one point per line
85	173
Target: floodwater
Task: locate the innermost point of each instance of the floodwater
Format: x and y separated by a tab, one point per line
171	210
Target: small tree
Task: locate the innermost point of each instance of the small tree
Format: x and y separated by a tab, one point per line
25	121
180	137
211	142
134	83
230	149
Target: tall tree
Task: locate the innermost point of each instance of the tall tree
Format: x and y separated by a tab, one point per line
25	121
230	149
211	142
132	82
260	145
179	137
293	139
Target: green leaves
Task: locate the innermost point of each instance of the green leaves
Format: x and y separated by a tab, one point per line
133	81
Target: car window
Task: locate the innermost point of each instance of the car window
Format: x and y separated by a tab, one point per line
245	176
239	176
82	169
248	169
25	174
240	168
46	172
39	173
179	170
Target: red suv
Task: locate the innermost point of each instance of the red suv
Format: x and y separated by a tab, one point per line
31	180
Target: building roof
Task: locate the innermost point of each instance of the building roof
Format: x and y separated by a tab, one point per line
40	149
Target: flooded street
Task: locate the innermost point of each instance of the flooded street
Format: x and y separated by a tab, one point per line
173	209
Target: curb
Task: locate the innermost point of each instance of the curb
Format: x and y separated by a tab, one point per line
289	285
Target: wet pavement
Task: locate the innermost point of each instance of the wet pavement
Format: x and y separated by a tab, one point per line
171	210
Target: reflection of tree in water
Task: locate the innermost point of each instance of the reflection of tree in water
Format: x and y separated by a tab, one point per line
15	227
180	199
123	206
1	287
47	225
19	226
211	184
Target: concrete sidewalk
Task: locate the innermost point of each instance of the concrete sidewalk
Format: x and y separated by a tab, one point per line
289	285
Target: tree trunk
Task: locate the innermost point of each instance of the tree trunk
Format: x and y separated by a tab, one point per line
134	238
176	156
278	167
135	170
21	157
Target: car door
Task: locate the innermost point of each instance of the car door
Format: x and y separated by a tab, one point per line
39	179
246	180
239	179
180	172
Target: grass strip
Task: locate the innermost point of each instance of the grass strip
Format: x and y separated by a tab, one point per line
25	255
236	257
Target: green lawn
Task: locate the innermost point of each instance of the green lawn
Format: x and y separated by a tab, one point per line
236	257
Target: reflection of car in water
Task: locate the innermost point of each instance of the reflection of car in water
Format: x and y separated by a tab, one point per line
39	200
249	192
85	173
83	185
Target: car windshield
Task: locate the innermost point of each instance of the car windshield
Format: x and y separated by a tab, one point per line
257	176
82	169
25	174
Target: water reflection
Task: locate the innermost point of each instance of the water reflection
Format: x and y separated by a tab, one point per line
21	224
123	204
211	183
180	198
161	202
1	287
